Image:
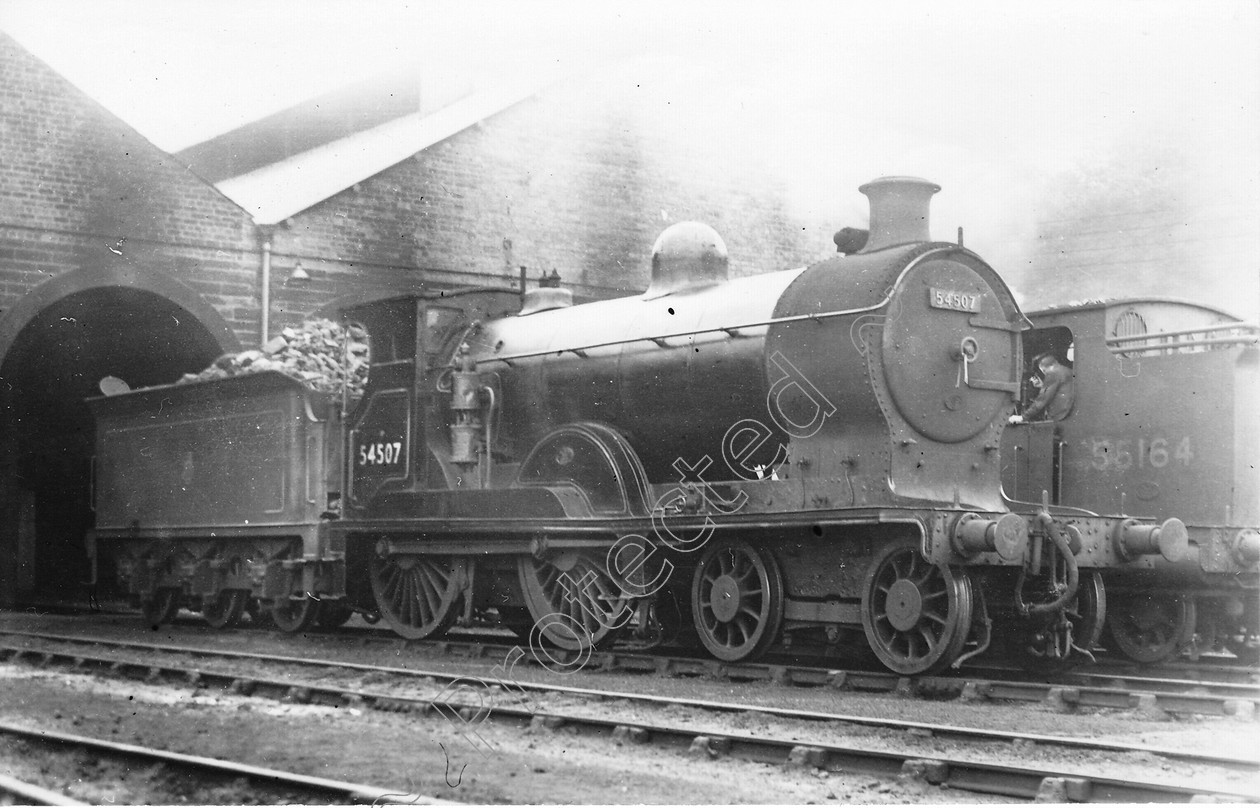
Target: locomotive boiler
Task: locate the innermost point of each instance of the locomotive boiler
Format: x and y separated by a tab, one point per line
738	460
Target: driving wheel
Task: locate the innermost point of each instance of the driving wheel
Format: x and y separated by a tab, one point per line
418	596
916	614
573	602
1149	628
737	601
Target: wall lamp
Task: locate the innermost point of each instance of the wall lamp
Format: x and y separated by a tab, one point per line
298	274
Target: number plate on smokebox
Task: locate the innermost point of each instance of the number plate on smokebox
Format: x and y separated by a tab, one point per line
955	301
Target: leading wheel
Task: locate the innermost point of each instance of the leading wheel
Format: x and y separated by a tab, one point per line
916	614
226	608
162	607
294	614
573	602
1149	628
418	595
737	601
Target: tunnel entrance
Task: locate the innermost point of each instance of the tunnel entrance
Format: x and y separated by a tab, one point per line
55	362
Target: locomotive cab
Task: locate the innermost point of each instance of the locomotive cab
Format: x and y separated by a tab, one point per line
1032	446
397	438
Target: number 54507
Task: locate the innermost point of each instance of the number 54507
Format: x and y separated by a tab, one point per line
380	454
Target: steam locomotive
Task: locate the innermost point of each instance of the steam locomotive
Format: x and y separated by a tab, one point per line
740	461
1164	421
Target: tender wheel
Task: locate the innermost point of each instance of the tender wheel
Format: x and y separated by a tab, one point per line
572	601
916	614
737	601
1150	628
225	609
162	607
418	595
294	615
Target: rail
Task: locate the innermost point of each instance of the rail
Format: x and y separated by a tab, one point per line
1020	780
292	689
320	788
17	792
1189	340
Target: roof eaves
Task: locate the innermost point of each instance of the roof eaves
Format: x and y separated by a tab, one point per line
278	191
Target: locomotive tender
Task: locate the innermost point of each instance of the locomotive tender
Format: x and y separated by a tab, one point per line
811	450
1164	422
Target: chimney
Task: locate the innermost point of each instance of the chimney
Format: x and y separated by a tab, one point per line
899	211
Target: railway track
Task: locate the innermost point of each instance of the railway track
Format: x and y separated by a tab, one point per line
17	792
1213	674
265	785
1070	690
976	773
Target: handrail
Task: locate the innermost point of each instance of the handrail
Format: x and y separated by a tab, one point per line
1252	327
1168	341
733	330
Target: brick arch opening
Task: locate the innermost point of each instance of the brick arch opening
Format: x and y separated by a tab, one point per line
55	347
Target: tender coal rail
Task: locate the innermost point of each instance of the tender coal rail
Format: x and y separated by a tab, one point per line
984	777
269	785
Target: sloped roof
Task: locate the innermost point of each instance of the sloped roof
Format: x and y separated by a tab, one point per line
313	122
278	190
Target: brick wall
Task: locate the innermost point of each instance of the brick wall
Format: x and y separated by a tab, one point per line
574	179
580	178
79	188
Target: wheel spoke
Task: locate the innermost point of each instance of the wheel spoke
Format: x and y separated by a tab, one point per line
412	593
930	617
433	587
583	593
393	577
737	601
406	600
